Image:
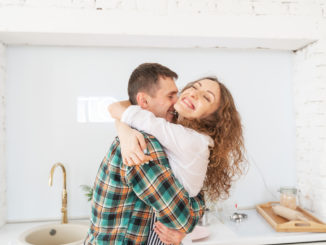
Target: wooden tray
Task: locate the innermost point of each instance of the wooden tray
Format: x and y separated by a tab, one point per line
283	225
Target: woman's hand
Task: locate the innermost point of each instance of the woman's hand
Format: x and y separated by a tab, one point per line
132	145
168	235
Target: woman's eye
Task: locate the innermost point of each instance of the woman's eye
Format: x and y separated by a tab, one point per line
207	98
193	86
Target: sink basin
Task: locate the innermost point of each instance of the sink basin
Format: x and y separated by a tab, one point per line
55	234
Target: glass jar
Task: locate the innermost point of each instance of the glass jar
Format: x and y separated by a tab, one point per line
288	197
204	220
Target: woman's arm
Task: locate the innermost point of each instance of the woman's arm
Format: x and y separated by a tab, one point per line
172	136
132	142
188	150
116	109
146	121
132	145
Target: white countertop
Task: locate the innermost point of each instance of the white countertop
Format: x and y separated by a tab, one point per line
10	233
253	231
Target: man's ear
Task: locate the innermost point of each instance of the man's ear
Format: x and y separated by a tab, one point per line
142	100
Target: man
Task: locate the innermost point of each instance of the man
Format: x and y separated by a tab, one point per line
125	198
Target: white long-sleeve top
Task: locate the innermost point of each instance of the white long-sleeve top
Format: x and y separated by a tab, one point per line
186	149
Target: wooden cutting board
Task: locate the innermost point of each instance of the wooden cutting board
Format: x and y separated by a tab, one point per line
283	225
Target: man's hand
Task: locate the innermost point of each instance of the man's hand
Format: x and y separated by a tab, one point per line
167	235
132	145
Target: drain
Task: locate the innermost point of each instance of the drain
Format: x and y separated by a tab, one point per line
52	232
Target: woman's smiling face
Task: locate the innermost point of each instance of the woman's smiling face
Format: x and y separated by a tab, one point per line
200	100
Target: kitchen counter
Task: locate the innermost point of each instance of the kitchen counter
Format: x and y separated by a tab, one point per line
253	231
10	233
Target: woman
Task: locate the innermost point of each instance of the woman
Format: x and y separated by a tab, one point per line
205	147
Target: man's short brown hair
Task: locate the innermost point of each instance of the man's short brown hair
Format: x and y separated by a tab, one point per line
145	79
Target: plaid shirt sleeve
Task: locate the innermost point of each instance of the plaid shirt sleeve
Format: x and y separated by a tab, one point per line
155	185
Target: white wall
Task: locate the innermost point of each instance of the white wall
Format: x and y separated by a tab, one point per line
309	74
3	178
43	84
310	104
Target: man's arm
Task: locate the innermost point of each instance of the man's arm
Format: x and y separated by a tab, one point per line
168	235
155	184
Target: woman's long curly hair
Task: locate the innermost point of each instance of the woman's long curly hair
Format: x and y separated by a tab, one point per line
226	159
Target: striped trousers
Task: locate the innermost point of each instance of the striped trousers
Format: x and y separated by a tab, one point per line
153	238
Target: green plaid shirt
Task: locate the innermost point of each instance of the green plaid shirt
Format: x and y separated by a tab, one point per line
125	198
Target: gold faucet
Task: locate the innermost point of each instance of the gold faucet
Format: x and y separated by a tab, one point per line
64	219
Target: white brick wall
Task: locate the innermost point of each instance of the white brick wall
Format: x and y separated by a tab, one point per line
2	137
310	106
165	7
309	79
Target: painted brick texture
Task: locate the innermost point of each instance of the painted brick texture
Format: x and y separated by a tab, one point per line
310	106
2	137
219	7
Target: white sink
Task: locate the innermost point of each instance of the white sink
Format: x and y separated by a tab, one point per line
55	234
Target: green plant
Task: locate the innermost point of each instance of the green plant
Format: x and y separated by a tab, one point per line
88	191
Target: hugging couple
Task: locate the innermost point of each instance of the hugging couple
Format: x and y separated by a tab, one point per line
171	150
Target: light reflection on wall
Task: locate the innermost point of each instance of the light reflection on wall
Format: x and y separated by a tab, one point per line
94	109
